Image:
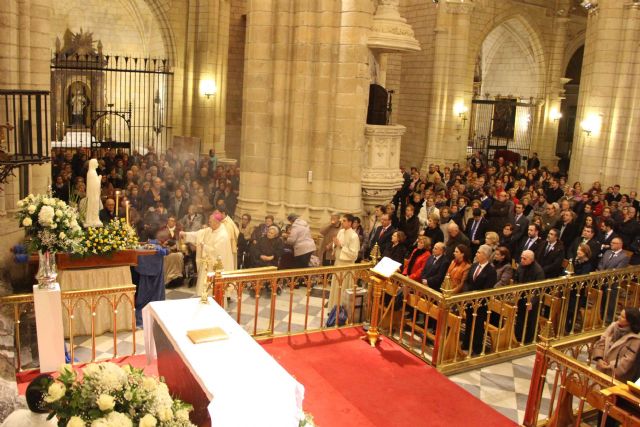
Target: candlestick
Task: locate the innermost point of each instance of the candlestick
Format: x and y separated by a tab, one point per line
117	199
126	210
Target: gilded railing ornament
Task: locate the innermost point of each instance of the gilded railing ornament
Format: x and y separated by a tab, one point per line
447	288
375	254
570	270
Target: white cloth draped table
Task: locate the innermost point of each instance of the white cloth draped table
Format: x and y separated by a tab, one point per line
243	383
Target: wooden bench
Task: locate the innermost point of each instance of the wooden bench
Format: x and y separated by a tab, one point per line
502	336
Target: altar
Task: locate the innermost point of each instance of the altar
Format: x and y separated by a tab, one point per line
75	139
232	382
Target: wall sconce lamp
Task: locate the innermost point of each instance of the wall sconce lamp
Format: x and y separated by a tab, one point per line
461	110
555	115
591	124
208	88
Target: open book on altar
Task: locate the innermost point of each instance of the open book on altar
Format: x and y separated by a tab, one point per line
386	267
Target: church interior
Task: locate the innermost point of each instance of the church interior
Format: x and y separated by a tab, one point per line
354	200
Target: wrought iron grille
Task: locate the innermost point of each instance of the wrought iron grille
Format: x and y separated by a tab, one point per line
104	101
501	125
23	131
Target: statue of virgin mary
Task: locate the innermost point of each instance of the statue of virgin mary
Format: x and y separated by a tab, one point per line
92	213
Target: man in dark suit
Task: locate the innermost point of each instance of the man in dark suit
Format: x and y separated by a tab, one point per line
382	234
567	228
476	230
436	268
533	162
531	241
528	271
588	238
520	223
550	255
608	235
613	258
481	276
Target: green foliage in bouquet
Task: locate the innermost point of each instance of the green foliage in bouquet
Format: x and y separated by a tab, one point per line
50	224
115	236
109	395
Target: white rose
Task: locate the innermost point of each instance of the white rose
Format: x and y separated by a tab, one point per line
59	213
55	392
105	402
128	395
76	422
182	414
149	384
100	422
31	209
47	201
21	203
118	419
61	203
91	370
62	235
45	216
165	414
27	222
148	421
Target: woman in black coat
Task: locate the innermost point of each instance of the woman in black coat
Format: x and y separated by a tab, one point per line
397	251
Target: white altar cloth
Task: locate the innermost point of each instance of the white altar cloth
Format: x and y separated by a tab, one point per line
245	385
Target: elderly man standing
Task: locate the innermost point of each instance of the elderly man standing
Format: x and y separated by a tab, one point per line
456	237
528	271
211	242
482	275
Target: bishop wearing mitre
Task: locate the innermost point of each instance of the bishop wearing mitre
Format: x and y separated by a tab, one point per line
211	242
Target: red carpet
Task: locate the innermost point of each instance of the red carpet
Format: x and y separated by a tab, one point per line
138	361
348	383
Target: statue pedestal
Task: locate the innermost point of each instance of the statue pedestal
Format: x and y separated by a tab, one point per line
381	176
48	308
75	138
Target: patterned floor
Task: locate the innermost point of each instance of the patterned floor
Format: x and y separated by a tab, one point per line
505	386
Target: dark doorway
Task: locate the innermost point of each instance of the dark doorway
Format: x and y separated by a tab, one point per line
569	109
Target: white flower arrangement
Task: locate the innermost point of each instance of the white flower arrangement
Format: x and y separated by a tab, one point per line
109	395
50	224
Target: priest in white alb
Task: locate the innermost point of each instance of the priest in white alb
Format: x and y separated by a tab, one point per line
211	242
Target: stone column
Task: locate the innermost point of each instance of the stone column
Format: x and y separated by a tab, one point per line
452	88
304	107
609	107
545	133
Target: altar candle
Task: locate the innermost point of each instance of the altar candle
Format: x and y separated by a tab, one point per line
126	210
117	199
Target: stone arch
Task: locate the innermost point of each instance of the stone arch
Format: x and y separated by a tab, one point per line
159	9
523	33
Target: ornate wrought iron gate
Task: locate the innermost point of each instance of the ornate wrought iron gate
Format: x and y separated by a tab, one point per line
110	101
500	124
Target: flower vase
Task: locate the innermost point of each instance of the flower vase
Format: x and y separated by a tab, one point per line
47	271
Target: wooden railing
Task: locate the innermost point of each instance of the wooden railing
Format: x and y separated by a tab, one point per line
575	385
113	299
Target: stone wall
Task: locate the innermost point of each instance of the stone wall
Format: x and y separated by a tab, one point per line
125	27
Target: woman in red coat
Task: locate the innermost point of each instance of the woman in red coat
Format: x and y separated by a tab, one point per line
416	262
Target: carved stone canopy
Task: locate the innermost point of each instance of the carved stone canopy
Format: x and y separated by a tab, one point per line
390	32
79	44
